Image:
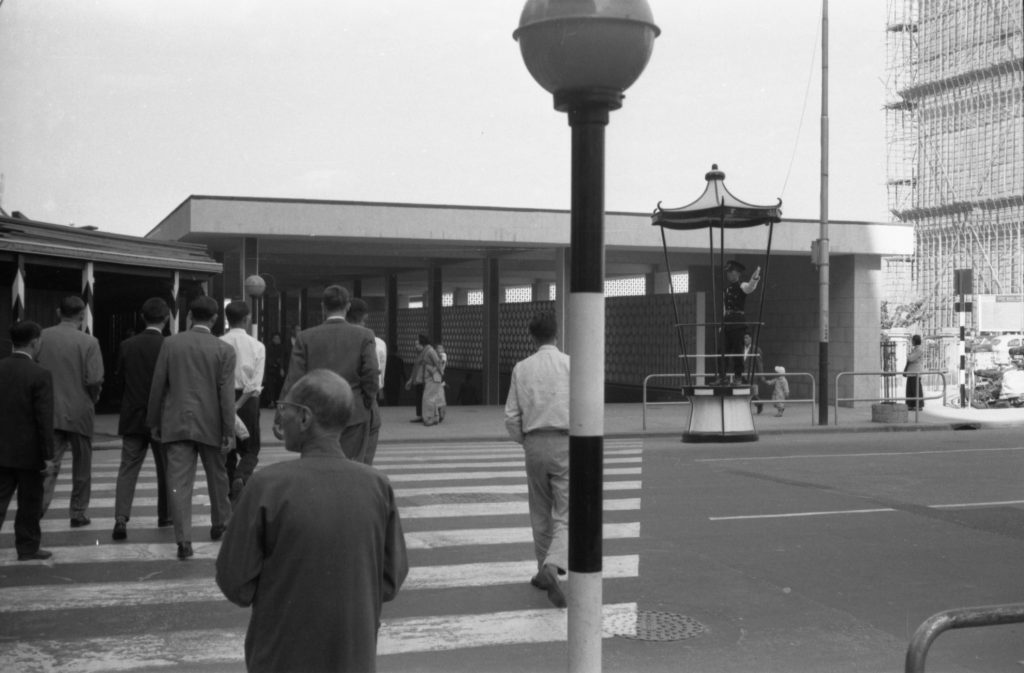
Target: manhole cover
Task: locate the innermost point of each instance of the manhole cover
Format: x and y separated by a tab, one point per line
644	625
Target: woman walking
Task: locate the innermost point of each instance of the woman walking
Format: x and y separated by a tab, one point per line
429	381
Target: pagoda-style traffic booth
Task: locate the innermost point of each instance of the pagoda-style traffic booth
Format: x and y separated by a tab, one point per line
721	399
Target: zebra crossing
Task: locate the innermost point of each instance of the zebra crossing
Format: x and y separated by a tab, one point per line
138	608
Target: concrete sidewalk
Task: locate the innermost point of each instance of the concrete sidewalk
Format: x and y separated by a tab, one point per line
486	423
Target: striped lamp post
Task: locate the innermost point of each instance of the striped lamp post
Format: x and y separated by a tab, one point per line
586	55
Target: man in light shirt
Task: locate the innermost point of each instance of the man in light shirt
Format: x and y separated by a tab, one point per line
537	416
250	363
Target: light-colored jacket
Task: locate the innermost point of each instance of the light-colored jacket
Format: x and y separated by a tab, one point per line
193	392
915	360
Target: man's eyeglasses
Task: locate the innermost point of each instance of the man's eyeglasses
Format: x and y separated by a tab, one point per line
281	404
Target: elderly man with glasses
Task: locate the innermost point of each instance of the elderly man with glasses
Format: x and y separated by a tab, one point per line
316	544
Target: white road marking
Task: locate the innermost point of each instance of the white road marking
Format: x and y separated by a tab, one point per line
466	476
799	514
490	464
169	592
789	515
867	454
498	488
207	647
498	509
106	551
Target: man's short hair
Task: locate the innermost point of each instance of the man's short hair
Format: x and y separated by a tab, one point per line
71	306
336	298
203	308
327	395
236	312
22	333
357	310
154	311
544	327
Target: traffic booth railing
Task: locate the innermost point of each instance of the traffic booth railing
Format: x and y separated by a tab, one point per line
960	618
764	401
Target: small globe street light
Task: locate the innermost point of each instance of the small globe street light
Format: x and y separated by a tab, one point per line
586	53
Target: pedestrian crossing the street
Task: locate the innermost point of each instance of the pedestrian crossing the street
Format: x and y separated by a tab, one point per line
100	605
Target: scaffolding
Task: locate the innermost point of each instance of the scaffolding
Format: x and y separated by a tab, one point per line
955	126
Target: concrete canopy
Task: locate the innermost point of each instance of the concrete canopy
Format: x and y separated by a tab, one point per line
310	243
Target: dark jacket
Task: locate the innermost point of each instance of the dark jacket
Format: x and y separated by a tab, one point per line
347	350
135	365
26	413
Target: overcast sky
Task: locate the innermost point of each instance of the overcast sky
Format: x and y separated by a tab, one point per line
112	112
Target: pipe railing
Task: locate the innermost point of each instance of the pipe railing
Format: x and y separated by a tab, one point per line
811	400
960	618
836	399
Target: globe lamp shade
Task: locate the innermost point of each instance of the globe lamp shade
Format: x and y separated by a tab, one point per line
255	286
586	46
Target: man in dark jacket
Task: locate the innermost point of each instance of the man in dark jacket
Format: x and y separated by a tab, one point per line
26	415
135	365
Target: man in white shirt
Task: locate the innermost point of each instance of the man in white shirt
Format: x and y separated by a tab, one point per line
356	315
537	416
250	363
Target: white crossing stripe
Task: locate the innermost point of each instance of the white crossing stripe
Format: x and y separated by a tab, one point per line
106	551
208	647
168	592
466	504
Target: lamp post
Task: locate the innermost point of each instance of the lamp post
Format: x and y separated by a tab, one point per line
586	54
255	286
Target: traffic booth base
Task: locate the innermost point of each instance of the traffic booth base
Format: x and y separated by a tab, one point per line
720	414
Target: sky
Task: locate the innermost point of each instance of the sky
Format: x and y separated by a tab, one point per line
113	112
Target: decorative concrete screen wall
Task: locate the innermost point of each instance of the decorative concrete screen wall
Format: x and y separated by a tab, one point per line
640	336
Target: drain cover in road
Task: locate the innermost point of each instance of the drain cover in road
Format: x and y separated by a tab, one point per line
645	625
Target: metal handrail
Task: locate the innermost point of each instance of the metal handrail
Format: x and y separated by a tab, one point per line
836	399
811	400
960	618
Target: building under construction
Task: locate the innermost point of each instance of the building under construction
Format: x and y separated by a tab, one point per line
955	124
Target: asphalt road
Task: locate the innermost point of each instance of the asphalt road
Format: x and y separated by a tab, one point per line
815	552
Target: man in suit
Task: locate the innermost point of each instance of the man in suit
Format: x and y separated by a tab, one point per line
135	364
26	443
357	316
250	363
347	350
192	414
73	358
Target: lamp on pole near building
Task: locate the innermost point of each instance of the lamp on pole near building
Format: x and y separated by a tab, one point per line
586	54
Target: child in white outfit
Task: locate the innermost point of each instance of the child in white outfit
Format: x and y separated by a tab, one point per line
780	389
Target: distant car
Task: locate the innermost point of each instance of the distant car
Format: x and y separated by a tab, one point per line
1002	344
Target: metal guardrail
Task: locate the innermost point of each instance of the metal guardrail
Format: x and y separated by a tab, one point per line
765	401
960	618
836	399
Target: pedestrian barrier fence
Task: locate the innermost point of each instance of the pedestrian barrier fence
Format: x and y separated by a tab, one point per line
960	618
836	399
703	377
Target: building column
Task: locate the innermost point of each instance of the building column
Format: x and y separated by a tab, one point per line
432	299
357	288
460	296
304	308
392	310
562	259
491	359
218	292
541	291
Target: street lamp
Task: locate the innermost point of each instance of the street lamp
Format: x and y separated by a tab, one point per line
586	53
255	286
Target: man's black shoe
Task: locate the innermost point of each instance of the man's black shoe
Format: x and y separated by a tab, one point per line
217	532
120	531
164	523
79	521
184	550
37	555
